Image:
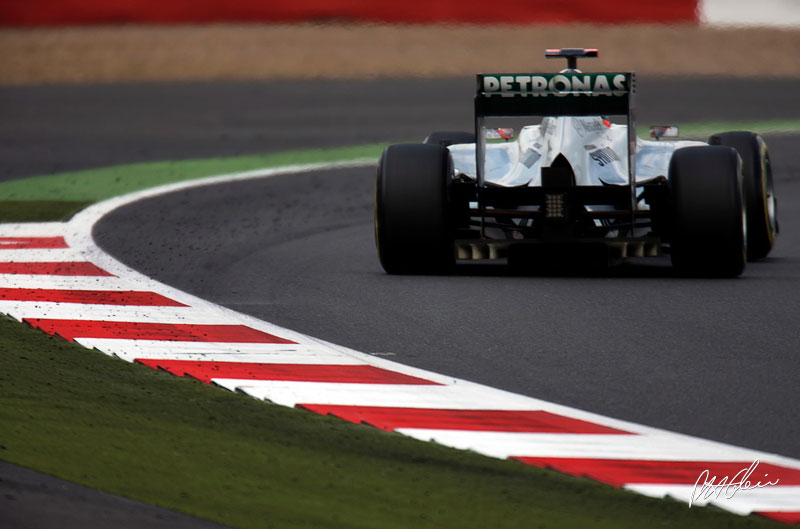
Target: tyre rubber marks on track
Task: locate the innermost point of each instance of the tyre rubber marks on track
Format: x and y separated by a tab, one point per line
190	337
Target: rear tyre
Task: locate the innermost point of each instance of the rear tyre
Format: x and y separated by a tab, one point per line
413	230
757	187
449	137
708	224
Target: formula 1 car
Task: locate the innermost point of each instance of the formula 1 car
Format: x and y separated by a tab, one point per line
572	184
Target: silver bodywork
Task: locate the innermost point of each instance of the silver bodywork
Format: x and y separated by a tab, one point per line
596	149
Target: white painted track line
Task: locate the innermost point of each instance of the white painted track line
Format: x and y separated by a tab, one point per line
455	396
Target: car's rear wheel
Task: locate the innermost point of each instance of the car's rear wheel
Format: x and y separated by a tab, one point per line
449	137
707	236
758	190
413	230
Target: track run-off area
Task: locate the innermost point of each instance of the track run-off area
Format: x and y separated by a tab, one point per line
711	359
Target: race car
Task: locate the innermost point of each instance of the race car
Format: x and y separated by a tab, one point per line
555	173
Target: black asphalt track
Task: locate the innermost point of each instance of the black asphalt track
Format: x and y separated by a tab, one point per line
717	359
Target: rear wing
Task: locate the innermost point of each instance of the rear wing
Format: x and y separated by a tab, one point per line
561	94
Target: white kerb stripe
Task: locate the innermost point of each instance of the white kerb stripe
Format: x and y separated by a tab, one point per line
592	446
772	498
217	352
113	313
33	229
35	281
38	255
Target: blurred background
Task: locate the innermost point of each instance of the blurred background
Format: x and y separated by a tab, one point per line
55	41
87	83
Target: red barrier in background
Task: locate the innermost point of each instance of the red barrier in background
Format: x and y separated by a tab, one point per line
80	12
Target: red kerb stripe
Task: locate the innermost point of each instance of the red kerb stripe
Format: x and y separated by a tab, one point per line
30	243
388	418
98	297
347	374
181	332
620	472
66	268
790	517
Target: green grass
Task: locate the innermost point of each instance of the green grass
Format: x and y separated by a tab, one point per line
99	184
88	418
701	131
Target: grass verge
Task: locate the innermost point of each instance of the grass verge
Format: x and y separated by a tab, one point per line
98	184
701	131
147	435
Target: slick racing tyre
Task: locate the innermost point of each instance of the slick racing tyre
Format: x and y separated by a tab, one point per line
759	194
708	228
449	137
412	224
